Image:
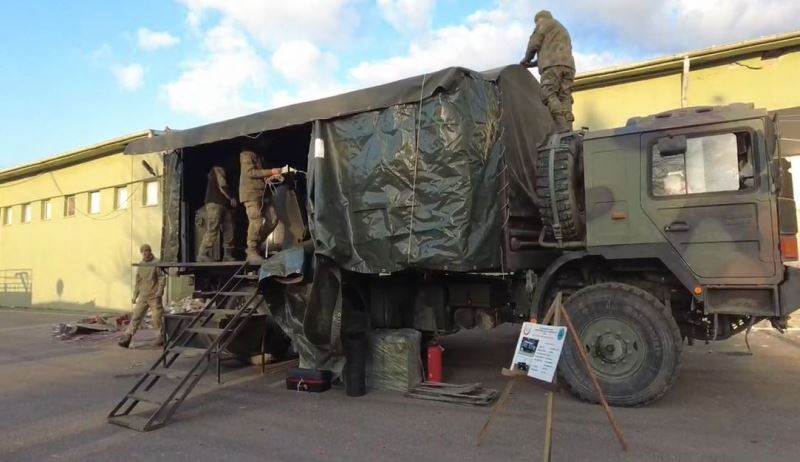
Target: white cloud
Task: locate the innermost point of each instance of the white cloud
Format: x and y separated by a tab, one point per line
130	77
488	39
407	15
680	25
273	22
150	40
216	87
301	62
308	92
660	26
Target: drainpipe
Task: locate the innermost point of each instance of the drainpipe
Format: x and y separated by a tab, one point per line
685	82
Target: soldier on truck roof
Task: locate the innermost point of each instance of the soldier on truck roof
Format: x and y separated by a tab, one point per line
551	41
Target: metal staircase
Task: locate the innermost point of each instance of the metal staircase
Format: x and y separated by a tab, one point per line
165	385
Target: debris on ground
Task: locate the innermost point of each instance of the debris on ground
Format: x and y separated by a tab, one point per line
90	326
186	305
470	393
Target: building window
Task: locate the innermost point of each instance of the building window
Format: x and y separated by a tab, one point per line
27	213
69	206
712	163
8	215
94	202
121	198
151	193
47	210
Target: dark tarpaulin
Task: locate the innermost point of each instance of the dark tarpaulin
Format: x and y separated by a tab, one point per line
472	128
368	99
416	185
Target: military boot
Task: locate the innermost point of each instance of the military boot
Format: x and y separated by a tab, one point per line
125	341
228	255
253	257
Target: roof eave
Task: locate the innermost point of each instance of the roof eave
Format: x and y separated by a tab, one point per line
675	62
112	146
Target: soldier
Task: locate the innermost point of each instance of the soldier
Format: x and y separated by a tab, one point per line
551	41
219	212
147	293
257	201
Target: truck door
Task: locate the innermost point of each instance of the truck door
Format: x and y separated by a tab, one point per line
702	190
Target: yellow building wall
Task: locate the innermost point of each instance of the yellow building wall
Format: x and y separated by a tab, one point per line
83	261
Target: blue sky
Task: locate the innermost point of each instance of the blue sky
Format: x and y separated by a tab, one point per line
81	72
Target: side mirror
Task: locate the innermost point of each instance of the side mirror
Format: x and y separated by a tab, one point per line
671	145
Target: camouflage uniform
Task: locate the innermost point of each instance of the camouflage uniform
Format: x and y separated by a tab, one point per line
218	215
149	289
551	41
256	199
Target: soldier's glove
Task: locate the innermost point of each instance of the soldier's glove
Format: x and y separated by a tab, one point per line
234	203
524	62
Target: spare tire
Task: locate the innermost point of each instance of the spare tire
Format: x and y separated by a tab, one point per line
569	220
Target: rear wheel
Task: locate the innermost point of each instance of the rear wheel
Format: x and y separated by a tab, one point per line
632	342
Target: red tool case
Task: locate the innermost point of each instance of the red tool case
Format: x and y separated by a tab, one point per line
310	380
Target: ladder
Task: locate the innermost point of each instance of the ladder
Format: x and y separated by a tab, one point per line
165	396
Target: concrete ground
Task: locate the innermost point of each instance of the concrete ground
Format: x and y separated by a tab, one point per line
54	396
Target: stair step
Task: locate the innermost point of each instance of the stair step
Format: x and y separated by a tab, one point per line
252	277
171	374
222	311
188	352
135	422
206	330
146	397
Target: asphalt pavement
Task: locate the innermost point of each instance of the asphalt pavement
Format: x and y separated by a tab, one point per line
55	395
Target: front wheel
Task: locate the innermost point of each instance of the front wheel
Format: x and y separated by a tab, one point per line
632	342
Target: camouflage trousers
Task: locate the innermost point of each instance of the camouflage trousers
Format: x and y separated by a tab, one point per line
140	309
262	220
556	93
217	217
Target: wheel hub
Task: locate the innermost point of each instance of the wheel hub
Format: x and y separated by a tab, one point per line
615	348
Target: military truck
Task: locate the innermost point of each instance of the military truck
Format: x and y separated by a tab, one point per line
445	202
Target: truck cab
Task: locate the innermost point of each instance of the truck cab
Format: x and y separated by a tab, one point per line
687	229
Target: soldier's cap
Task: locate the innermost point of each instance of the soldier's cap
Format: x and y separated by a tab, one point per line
544	14
145	247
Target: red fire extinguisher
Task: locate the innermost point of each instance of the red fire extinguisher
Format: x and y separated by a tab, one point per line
435	363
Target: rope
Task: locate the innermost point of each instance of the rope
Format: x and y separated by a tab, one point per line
416	161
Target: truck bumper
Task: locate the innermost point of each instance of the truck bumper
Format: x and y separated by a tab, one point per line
789	291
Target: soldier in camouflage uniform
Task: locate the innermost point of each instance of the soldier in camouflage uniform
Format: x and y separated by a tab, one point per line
219	214
147	293
257	202
551	41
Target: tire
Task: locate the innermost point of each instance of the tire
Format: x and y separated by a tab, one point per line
631	340
568	176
